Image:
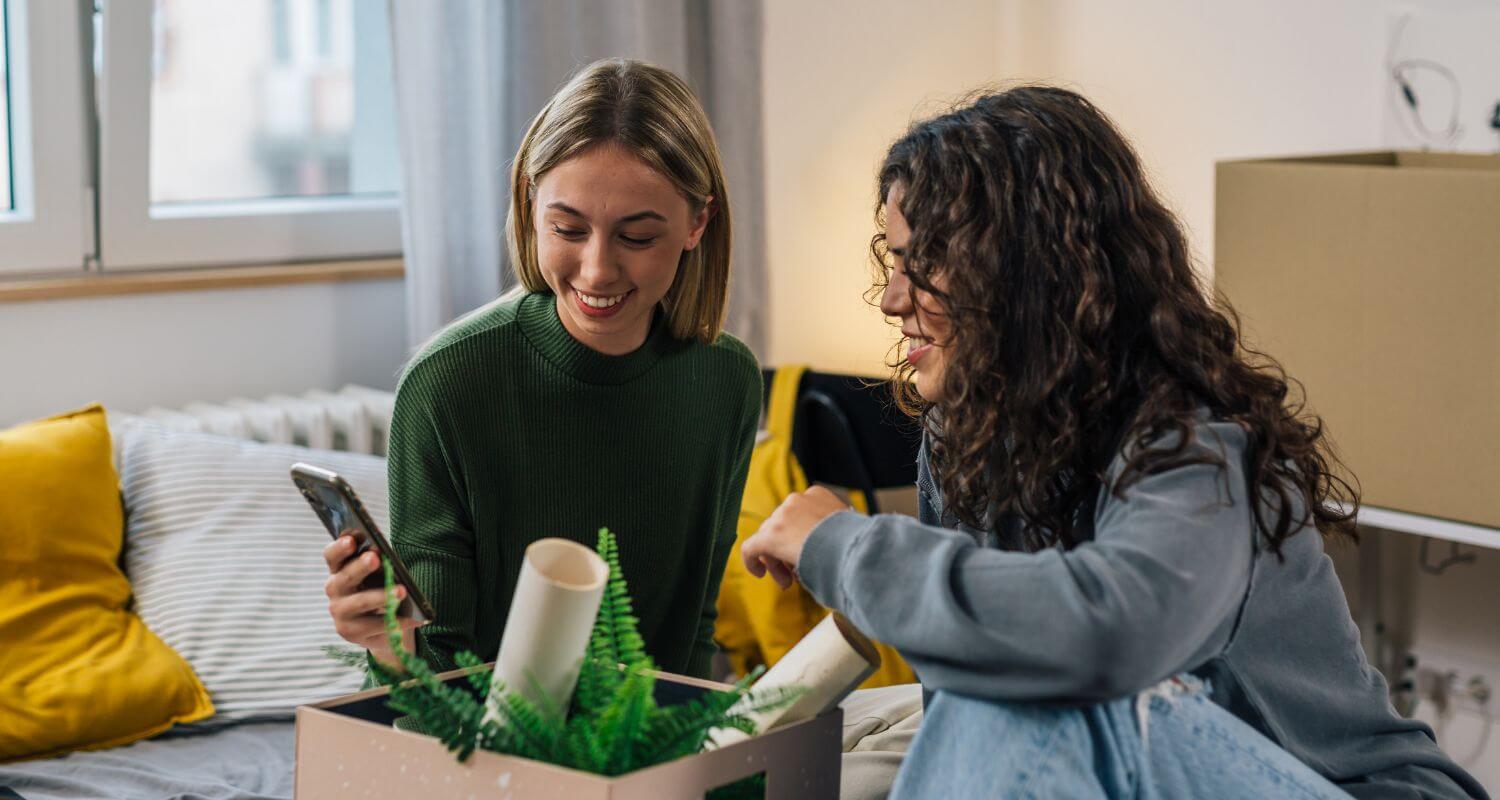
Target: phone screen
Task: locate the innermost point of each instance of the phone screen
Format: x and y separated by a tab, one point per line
340	518
340	515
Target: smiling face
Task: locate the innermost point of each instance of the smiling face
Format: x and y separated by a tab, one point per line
923	323
610	233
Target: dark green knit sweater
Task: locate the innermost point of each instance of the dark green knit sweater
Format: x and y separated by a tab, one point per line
507	430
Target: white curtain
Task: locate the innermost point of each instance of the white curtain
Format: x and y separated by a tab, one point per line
470	75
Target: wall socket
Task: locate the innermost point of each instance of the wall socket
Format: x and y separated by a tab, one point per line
1448	686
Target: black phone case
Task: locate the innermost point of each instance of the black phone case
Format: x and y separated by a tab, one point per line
339	507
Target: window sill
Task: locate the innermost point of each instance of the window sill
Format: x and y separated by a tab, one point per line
120	283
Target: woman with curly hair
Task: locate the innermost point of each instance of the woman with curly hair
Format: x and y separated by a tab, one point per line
1118	584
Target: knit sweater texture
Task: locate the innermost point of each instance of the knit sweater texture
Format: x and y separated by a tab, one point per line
508	430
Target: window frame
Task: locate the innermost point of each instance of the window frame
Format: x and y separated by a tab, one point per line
135	235
50	227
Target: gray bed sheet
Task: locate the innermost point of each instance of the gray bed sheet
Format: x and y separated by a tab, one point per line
249	761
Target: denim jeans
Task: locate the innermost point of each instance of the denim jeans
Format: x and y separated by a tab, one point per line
1168	742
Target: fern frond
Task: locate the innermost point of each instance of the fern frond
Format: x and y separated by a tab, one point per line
683	729
680	730
448	713
479	679
618	611
536	733
604	625
584	749
546	705
350	657
595	681
621	726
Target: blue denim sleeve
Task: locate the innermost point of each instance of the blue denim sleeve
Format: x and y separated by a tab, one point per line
1154	593
927	508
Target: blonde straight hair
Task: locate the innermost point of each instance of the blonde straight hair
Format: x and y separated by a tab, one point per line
653	114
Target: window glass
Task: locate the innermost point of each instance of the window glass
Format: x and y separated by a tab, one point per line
257	99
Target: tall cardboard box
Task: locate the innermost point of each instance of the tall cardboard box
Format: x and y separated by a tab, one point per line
347	747
1375	279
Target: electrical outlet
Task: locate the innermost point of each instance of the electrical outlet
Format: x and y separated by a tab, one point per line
1451	686
1404	694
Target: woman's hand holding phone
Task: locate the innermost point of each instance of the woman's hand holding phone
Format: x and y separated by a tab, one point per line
359	613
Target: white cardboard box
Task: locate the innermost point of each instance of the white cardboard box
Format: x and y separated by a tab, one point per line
347	748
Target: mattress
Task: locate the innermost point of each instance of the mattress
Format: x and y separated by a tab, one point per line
248	761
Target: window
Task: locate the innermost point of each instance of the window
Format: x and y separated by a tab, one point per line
296	139
45	206
228	131
6	193
269	133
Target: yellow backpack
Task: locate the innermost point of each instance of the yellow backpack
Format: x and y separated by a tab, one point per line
758	620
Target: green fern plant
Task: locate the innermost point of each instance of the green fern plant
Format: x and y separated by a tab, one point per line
614	725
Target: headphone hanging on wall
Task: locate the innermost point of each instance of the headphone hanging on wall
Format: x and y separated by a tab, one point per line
1401	72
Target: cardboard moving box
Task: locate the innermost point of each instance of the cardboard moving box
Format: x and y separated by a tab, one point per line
347	747
1375	279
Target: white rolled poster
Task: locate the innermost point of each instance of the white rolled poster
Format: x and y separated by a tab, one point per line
547	630
828	663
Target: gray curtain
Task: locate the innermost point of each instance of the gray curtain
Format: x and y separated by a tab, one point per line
470	75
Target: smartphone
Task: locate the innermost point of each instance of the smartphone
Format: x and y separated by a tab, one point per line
339	507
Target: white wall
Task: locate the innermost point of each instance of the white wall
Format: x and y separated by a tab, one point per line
134	351
842	81
1192	83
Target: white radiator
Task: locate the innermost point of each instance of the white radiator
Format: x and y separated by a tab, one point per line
355	418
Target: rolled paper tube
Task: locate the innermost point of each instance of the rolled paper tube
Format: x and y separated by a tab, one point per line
547	630
829	662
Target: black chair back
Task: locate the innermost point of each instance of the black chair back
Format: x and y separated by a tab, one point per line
848	432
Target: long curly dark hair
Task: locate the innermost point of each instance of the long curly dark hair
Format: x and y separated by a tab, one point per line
1079	326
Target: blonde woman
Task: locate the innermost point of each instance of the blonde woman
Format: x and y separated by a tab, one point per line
604	394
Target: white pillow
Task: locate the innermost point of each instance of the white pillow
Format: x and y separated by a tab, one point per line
225	557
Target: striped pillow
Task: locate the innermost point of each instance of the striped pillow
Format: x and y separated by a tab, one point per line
225	559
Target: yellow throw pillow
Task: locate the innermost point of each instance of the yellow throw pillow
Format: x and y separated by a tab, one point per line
78	671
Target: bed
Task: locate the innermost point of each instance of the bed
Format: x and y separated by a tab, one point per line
245	761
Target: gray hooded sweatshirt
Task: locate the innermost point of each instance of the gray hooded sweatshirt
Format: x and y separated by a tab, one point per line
1173	579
